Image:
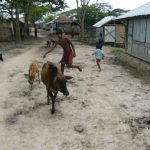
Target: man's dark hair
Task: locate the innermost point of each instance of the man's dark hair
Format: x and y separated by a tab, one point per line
59	31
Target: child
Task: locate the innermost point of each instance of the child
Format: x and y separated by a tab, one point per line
98	55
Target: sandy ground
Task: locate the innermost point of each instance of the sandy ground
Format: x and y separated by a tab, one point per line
107	110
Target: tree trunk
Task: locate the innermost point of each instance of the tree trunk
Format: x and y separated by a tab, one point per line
81	10
26	17
35	30
82	26
17	26
26	30
13	24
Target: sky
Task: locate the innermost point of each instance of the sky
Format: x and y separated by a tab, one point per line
123	4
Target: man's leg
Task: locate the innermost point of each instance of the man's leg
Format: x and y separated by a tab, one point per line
62	68
70	61
75	66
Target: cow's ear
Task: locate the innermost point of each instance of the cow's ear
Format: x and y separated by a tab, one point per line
68	77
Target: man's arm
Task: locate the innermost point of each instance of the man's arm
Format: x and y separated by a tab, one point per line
51	49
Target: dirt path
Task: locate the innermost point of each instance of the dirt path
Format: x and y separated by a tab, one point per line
108	110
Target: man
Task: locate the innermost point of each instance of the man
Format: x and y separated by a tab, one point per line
68	52
101	41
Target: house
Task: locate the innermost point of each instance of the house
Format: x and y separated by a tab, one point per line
51	26
137	23
6	31
64	22
113	31
67	24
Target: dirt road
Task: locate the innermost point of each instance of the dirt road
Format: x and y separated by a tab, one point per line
107	110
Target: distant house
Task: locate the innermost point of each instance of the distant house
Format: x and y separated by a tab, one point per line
137	35
66	24
6	31
113	31
51	26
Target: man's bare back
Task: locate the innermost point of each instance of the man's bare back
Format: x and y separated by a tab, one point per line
64	43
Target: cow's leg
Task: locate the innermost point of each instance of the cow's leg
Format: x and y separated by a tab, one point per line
55	95
39	77
48	97
53	102
31	87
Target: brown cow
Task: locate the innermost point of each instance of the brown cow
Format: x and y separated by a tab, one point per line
54	81
33	70
1	57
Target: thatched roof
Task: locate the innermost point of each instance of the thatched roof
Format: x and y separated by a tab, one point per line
64	19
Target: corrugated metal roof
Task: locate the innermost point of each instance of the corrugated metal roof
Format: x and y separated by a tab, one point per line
104	21
52	21
140	11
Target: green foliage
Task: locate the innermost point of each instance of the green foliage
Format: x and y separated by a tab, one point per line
49	18
32	10
37	12
70	13
117	12
104	7
35	8
96	12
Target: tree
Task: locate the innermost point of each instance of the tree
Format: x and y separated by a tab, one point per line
17	27
17	7
35	9
96	12
81	10
117	12
49	18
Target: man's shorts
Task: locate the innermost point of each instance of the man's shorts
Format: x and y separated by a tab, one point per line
67	58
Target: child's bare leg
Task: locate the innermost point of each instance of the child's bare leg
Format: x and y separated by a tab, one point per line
99	66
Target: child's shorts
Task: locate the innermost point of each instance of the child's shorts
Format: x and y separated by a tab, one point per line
98	61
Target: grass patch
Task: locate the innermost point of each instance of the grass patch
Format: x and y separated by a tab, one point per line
117	51
143	75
